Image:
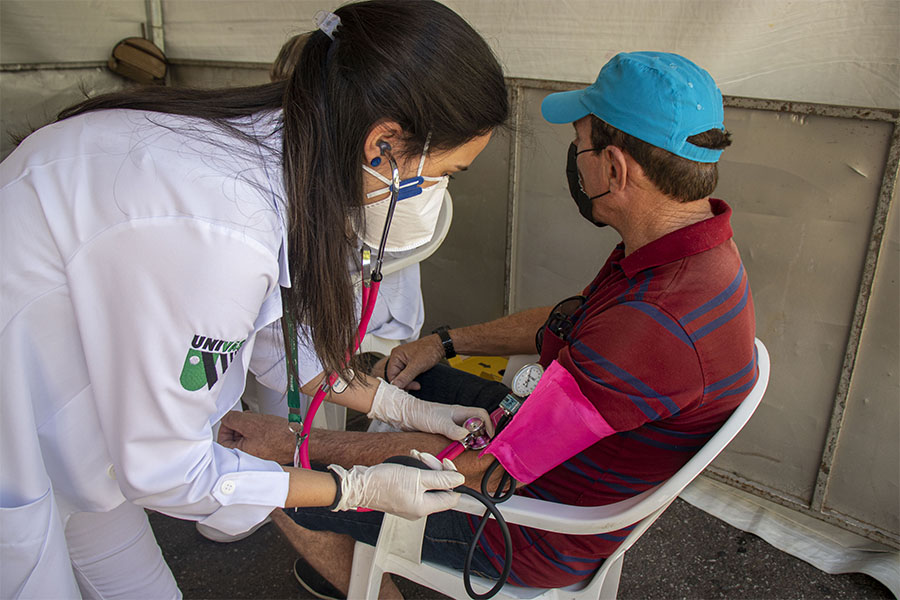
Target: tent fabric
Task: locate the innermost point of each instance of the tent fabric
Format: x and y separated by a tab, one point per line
826	547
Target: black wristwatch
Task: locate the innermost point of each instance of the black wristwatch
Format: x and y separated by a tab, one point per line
443	332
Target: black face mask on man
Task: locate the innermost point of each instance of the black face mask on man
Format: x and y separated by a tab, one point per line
584	203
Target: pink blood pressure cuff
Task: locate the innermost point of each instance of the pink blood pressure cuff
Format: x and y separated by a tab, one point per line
555	423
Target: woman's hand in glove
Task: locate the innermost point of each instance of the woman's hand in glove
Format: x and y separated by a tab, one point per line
398	489
405	411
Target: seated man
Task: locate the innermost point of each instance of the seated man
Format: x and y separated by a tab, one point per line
654	357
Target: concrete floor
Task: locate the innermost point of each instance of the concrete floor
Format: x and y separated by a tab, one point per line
687	554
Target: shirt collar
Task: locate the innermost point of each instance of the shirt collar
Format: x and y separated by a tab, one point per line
683	242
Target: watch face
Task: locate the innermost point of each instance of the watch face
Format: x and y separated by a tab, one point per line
526	379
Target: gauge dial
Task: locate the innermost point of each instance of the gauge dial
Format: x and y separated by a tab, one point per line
526	379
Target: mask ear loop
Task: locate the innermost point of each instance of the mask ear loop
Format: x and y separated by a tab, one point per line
424	154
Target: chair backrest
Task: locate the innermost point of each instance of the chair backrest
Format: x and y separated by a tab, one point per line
598	519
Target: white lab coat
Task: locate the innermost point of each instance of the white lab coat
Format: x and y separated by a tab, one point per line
141	255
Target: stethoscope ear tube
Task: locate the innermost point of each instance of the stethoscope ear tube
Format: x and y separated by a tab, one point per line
369	295
395	194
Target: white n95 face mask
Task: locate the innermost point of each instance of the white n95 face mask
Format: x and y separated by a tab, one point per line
415	215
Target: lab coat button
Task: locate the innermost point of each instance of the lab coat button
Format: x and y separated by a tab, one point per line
111	471
228	487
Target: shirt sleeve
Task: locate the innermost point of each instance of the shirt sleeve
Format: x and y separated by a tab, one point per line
268	360
399	309
635	363
167	309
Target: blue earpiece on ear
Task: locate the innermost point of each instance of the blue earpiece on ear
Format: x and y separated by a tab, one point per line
376	161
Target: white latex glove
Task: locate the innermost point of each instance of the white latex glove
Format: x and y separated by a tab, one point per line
432	462
403	410
398	489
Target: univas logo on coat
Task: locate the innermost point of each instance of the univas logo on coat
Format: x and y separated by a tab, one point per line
207	359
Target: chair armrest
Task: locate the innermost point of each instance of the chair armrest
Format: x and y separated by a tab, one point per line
563	518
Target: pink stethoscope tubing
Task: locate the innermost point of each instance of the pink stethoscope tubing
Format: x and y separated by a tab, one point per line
451	451
369	295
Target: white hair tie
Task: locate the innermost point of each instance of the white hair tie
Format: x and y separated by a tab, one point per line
327	22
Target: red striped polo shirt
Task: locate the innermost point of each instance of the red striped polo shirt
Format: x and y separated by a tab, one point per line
663	347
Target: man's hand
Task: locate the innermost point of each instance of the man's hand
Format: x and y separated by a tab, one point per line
265	436
408	360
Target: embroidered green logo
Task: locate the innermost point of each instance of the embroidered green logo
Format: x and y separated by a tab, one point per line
207	359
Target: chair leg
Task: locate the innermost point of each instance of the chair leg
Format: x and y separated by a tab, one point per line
610	586
365	576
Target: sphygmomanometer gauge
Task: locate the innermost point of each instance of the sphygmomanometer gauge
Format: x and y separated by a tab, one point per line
526	379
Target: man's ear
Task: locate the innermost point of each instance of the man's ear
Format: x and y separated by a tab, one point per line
381	132
616	168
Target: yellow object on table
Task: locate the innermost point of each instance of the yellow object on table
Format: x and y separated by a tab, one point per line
486	367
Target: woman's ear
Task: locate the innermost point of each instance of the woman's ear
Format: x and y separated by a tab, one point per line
383	136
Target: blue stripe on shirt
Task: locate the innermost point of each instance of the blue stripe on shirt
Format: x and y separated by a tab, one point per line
632	283
628	378
639	402
657	444
727	381
543	494
629	478
738	390
716	323
666	321
644	285
719	299
677	434
558	562
614	486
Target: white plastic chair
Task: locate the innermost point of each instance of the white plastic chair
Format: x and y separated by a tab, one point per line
399	546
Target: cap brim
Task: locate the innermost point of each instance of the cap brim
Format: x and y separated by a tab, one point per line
564	107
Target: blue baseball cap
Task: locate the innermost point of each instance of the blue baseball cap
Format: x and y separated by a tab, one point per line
657	97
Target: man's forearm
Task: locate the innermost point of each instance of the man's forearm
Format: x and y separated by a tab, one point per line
513	334
348	448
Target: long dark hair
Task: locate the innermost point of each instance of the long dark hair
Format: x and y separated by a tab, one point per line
415	62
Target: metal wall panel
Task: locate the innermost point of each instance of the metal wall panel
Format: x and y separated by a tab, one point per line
804	189
556	253
463	281
861	484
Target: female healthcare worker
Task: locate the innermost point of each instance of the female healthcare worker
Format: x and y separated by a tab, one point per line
148	236
397	317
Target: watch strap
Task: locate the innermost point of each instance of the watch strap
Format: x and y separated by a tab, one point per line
443	332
